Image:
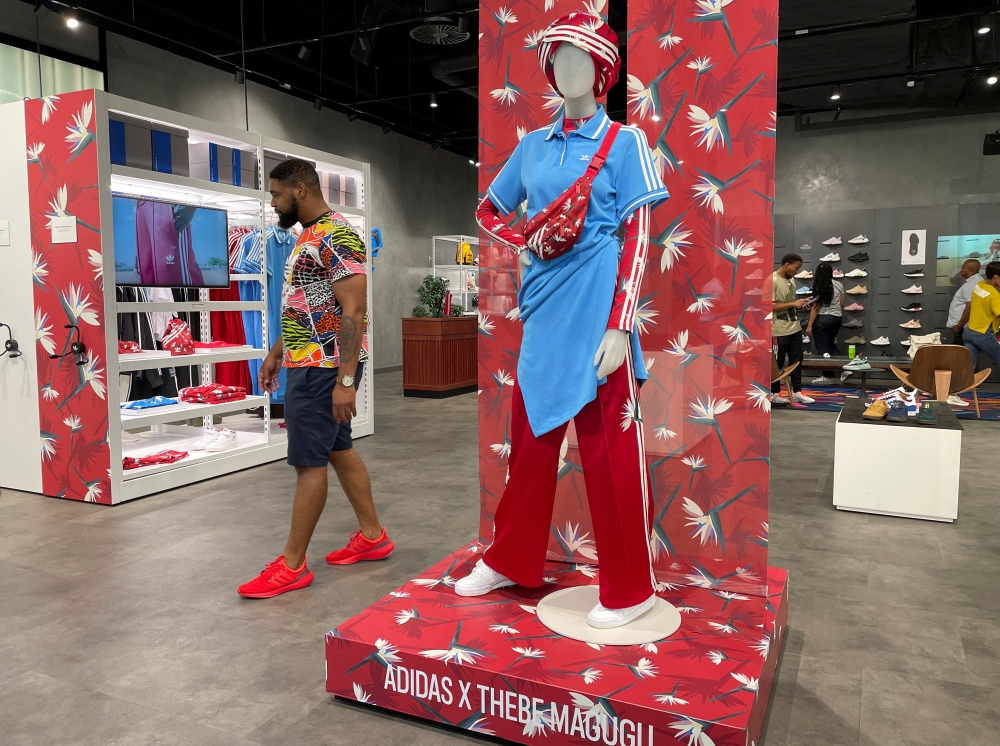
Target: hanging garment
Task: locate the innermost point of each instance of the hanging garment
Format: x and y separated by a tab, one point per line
228	326
279	245
248	261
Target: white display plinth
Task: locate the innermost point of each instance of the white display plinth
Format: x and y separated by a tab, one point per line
565	613
898	469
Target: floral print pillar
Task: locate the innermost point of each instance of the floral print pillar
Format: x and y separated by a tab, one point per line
701	85
69	289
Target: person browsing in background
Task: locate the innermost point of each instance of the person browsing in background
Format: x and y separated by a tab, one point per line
984	317
785	326
825	314
323	345
958	311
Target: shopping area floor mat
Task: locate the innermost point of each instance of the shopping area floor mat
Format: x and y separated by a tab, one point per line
831	399
487	665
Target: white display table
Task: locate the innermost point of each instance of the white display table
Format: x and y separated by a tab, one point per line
900	469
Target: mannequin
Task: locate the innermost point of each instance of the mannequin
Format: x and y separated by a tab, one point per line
580	357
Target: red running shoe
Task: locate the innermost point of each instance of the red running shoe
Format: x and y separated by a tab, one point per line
359	548
276	579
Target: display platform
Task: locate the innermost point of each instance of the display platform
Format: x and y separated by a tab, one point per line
868	476
489	666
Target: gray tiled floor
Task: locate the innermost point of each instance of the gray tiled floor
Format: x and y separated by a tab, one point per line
121	625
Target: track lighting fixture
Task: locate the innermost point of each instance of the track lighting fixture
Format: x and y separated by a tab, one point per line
241	77
835	93
434	101
463	25
387	129
304	52
352	116
317	103
72	22
985	24
992	79
435	145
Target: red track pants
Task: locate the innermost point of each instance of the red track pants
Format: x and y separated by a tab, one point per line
614	469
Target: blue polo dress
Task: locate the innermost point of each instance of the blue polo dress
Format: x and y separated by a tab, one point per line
565	303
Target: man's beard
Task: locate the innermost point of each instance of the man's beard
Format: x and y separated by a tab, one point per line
290	218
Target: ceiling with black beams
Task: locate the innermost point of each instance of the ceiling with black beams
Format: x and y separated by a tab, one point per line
388	61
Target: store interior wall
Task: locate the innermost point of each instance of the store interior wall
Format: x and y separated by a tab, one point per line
911	164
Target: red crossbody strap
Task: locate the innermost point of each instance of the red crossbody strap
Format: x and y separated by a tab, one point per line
597	162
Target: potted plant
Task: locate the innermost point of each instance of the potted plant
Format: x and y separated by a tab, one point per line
439	352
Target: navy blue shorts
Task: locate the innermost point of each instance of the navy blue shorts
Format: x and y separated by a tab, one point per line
312	431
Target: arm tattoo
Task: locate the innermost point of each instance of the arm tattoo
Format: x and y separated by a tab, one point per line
350	339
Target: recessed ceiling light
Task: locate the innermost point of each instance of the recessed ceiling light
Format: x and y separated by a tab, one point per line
72	22
835	93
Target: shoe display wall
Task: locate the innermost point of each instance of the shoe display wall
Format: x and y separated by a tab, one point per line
884	285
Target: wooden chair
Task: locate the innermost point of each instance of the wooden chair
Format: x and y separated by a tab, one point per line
942	370
778	374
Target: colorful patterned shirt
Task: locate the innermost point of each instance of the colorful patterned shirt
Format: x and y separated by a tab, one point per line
328	250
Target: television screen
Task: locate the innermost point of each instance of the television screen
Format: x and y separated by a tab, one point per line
163	244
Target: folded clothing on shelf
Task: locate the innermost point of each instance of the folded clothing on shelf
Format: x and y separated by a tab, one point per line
218	345
212	393
128	348
163	457
151	403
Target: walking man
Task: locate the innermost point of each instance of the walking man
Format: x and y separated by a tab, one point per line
785	326
323	345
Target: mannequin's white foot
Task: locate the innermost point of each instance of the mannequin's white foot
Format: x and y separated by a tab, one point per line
601	617
481	581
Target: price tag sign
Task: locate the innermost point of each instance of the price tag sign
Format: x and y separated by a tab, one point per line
63	229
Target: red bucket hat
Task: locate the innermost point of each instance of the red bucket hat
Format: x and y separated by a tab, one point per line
590	33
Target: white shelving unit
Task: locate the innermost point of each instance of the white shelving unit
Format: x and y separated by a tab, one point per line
259	440
463	279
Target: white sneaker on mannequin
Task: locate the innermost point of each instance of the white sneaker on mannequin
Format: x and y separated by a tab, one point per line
601	617
481	581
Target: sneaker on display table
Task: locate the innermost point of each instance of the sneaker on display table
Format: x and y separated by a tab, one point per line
858	363
877	410
927	414
897	412
856	273
804	275
225	440
833	241
859	240
881	341
861	256
833	256
854	307
913	290
914	273
858	290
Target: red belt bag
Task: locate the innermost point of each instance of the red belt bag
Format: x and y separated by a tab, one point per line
554	230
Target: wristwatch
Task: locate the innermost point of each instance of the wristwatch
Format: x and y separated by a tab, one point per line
347	381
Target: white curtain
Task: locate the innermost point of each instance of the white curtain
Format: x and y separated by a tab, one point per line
19	75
